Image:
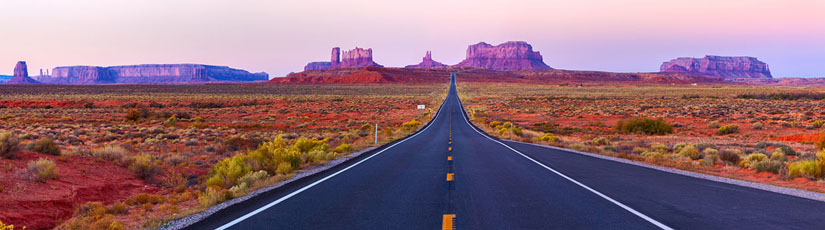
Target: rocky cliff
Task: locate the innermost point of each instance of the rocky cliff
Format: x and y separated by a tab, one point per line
21	75
357	57
719	66
149	74
427	62
512	55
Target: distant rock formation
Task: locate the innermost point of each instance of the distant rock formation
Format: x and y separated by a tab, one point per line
427	62
357	57
318	65
21	75
512	55
719	66
149	74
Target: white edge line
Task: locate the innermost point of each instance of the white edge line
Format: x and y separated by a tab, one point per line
748	184
629	209
296	192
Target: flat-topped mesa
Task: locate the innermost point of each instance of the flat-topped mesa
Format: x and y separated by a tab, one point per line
427	62
21	75
357	57
149	74
719	67
512	55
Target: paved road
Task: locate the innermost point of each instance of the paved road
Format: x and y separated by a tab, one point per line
449	175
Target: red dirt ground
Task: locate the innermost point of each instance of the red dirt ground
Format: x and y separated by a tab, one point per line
42	205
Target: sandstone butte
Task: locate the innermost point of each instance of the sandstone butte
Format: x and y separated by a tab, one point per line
427	62
719	66
149	74
357	57
512	55
21	75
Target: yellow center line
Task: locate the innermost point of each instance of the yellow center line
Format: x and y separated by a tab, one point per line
449	176
449	158
450	148
448	222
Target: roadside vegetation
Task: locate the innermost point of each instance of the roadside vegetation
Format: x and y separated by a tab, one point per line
766	135
159	153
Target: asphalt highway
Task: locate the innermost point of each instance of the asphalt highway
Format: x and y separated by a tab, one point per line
450	175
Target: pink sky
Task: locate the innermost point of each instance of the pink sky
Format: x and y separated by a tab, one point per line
281	36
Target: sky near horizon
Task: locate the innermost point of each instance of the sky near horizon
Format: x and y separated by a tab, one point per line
279	37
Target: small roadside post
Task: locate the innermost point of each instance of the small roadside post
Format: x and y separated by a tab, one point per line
511	131
376	133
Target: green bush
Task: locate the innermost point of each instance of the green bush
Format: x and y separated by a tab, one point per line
213	195
342	148
690	151
644	125
42	169
727	129
600	141
306	145
804	168
411	125
548	137
9	145
45	145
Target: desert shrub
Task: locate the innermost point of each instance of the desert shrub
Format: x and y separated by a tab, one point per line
661	148
132	115
252	178
411	125
678	147
804	168
92	215
144	198
652	154
495	124
308	144
713	125
42	169
600	141
710	156
117	208
730	156
45	145
690	151
7	226
114	153
758	125
548	137
644	125
342	148
787	150
144	166
752	158
9	145
767	166
779	155
213	195
727	129
270	157
284	168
